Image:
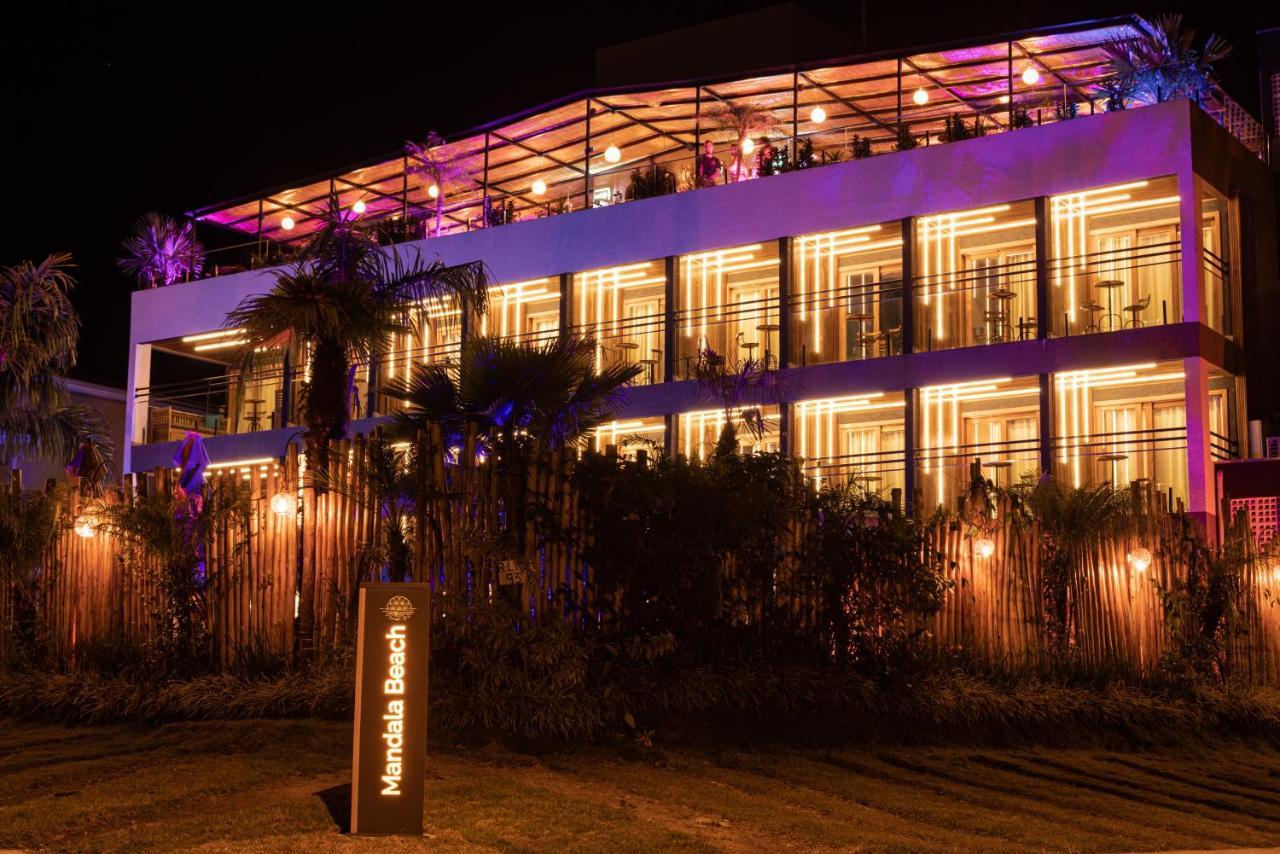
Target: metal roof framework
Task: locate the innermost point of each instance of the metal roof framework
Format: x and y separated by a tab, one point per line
562	145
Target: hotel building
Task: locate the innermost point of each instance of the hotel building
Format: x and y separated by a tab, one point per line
1056	287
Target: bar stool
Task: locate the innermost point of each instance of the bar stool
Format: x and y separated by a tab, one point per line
1093	308
1136	309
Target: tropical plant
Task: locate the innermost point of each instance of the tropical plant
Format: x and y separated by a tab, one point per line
1162	63
860	147
1072	521
650	182
434	165
516	396
744	121
1020	118
339	306
162	251
877	574
28	525
741	389
905	140
954	129
163	533
39	331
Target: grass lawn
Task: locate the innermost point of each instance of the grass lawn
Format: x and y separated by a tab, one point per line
271	786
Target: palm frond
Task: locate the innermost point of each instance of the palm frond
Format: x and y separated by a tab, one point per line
39	328
56	435
162	251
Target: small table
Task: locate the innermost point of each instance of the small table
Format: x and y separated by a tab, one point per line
1027	329
1111	459
651	368
768	329
255	412
1109	286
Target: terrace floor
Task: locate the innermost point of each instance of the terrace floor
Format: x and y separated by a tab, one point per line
271	785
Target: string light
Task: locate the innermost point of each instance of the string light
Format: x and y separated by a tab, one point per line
984	546
539	187
748	145
433	191
358	207
612	154
86	526
1031	76
817	115
921	97
287	223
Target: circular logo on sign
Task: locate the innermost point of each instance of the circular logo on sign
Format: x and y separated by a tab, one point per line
398	608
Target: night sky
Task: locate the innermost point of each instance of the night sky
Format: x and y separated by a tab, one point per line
112	110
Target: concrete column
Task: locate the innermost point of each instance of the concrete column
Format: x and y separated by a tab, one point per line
1042	267
912	398
908	304
566	303
135	410
1201	492
1046	422
784	302
1192	260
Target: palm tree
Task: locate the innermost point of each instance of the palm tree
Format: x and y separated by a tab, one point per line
741	389
516	396
338	307
434	167
1161	63
162	252
517	401
39	330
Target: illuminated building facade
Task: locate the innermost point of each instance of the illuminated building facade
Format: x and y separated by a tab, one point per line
1086	298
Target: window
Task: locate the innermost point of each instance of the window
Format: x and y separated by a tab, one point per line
975	277
1115	258
1120	425
846	298
624	310
526	312
729	304
858	439
991	427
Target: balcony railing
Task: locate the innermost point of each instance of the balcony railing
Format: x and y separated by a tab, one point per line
964	308
1116	289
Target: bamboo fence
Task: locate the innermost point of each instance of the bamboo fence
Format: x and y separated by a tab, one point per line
283	584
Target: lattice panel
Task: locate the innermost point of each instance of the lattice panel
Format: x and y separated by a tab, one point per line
1264	516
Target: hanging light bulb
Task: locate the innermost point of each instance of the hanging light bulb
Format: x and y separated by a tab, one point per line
612	154
1031	76
984	546
748	145
433	191
358	207
287	223
1003	99
86	526
920	96
539	187
1140	559
817	115
283	504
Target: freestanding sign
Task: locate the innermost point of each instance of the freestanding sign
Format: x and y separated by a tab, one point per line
389	749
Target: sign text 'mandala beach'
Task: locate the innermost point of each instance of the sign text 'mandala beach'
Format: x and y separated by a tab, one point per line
393	719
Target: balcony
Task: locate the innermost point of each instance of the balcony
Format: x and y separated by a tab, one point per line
606	148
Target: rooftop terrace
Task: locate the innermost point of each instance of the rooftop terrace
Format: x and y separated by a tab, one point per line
607	146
